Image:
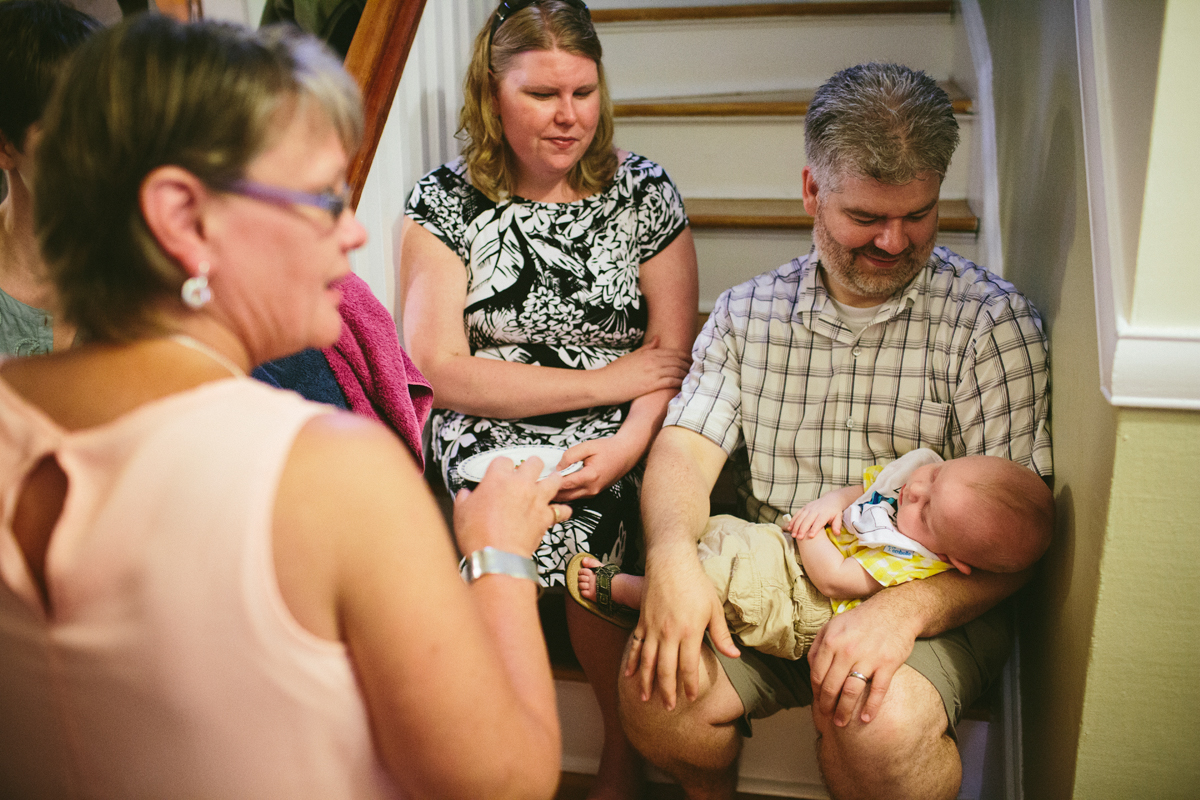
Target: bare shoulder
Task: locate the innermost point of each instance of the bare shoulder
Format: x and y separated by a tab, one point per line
348	487
341	461
344	450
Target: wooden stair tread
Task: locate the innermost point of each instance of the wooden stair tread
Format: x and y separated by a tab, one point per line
785	103
796	9
953	215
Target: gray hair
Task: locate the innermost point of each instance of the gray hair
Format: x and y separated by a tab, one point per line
886	122
207	97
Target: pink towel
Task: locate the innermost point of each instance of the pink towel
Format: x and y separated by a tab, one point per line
375	373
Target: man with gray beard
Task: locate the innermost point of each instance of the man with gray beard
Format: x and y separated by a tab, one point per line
874	344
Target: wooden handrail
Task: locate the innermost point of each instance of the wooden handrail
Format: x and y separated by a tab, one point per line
181	10
376	59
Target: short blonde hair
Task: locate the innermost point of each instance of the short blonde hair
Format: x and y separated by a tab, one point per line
152	92
544	25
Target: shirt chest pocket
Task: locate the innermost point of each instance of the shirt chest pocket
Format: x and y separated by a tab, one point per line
908	426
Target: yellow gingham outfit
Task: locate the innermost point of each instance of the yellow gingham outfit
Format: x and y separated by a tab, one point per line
886	567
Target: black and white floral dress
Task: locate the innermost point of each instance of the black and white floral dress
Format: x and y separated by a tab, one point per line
554	284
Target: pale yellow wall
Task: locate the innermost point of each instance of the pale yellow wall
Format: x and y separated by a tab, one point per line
1044	217
1166	287
1111	627
1126	76
1141	715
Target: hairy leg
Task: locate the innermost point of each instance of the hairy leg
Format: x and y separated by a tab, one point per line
697	743
598	646
903	752
625	589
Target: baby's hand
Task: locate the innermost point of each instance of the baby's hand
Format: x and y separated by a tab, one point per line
812	519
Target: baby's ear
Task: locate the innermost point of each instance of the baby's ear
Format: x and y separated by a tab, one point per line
965	569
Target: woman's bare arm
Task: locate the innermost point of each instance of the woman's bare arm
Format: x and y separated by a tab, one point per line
456	678
669	286
433	291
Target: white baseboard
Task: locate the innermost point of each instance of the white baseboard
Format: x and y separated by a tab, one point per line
1155	368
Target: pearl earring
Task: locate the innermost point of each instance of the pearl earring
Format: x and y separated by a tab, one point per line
195	291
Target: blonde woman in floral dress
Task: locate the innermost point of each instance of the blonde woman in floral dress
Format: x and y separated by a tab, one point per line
549	294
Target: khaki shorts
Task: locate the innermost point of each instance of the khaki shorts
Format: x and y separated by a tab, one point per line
960	664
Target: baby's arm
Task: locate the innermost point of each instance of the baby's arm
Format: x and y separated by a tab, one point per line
834	575
825	510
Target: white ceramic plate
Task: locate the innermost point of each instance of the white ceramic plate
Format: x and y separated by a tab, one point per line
472	469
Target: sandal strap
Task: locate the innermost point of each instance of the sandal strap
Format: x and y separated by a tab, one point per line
604	576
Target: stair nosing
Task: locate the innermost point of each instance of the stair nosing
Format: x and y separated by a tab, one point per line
813	9
744	104
951	219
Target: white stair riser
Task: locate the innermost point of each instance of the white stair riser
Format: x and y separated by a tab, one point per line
728	256
747	157
660	59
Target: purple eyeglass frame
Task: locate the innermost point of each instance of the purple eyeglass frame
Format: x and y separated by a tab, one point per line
334	203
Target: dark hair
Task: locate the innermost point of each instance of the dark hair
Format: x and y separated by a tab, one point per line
147	93
886	122
36	36
543	25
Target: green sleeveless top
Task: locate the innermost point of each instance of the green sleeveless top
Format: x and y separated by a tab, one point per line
24	330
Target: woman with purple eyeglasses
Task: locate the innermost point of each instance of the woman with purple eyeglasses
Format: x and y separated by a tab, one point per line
549	294
210	587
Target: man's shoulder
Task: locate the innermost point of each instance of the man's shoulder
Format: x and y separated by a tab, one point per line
964	280
769	296
959	288
782	284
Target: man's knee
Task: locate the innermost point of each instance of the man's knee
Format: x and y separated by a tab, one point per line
912	711
904	751
699	734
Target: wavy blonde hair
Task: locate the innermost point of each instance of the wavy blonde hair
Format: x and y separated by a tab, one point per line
544	25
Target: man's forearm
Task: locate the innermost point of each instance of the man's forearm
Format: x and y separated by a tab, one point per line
945	601
680	473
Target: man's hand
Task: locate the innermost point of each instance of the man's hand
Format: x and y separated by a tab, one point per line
678	604
871	639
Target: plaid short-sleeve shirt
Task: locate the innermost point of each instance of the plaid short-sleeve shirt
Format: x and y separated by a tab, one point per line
956	362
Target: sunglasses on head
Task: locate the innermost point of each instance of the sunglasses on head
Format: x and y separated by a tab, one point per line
510	7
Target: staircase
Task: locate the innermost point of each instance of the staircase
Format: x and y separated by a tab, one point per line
717	95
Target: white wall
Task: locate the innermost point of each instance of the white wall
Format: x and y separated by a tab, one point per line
419	134
1137	69
1166	289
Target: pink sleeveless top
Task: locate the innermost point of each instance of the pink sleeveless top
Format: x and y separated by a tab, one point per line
168	664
